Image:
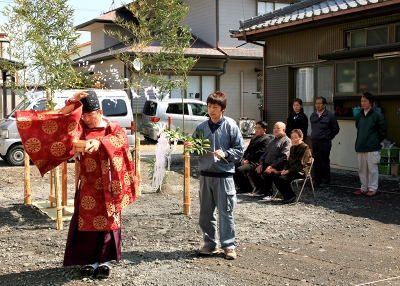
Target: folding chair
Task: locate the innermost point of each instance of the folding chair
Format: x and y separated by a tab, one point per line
295	184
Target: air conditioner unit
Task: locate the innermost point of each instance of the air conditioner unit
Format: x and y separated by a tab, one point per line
246	126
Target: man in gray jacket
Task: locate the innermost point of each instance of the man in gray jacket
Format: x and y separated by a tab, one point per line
271	162
217	188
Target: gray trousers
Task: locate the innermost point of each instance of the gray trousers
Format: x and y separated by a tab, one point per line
368	170
217	194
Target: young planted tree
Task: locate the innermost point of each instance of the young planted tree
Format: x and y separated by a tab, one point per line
158	43
41	36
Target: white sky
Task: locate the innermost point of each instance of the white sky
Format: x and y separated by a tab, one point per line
85	10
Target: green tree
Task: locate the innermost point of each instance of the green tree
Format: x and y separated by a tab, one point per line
41	36
157	43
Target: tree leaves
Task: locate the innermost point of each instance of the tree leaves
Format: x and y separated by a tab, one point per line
200	146
42	35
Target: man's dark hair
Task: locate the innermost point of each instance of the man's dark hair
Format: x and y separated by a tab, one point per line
217	97
263	124
368	96
322	99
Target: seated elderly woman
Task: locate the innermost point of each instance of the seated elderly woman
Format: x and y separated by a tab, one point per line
294	168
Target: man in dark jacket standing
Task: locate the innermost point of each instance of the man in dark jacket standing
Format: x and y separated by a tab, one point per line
371	130
257	146
324	127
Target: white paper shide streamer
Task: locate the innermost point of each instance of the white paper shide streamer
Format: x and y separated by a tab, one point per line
134	94
163	157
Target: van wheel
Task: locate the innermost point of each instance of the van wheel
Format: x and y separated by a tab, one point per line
15	155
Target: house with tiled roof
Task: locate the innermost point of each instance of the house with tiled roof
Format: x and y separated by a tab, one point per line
83	49
224	64
337	49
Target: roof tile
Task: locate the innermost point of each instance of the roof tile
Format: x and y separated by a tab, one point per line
302	10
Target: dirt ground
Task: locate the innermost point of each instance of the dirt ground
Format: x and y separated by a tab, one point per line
341	239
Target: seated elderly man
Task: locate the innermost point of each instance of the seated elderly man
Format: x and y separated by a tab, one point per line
271	162
251	156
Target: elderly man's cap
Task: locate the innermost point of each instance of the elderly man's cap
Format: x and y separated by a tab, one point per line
91	102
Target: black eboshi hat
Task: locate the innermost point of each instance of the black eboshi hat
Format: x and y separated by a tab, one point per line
91	102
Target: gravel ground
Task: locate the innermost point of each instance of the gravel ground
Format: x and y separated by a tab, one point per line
341	239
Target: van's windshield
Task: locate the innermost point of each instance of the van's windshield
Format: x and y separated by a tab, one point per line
40	105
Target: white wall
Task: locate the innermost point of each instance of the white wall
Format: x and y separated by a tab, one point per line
97	39
100	40
83	51
230	85
230	12
109	69
202	19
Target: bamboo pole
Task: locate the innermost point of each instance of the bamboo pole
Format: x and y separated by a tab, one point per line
51	195
186	182
64	182
27	180
137	170
59	206
77	173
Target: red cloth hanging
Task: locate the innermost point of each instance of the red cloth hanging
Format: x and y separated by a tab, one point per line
47	135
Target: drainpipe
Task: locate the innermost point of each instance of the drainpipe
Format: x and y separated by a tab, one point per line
217	45
221	74
241	94
264	88
217	22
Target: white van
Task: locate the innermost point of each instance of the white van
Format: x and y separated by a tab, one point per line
114	103
158	112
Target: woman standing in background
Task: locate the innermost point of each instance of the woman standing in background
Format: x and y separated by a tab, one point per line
298	120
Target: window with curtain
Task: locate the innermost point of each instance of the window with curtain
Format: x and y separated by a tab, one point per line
390	75
367	76
208	86
305	84
380	76
324	83
345	77
304	80
199	87
368	37
397	34
194	86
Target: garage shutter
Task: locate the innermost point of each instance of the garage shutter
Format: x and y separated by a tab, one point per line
277	85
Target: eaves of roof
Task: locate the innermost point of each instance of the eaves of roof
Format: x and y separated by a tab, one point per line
87	25
312	14
198	49
5	64
360	52
243	53
110	53
106	18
